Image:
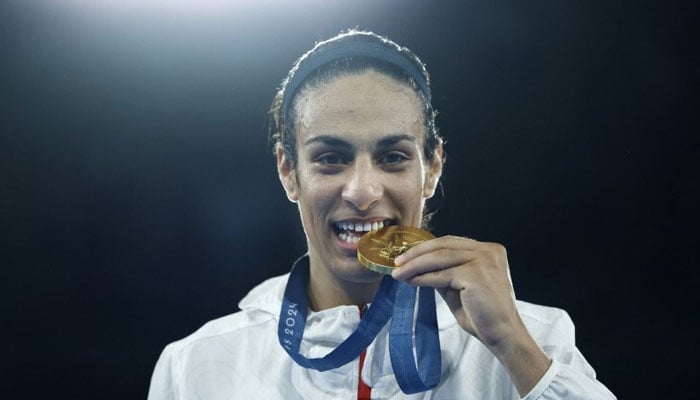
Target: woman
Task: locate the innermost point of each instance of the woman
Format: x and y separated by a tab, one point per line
357	150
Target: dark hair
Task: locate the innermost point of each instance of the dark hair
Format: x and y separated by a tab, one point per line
350	52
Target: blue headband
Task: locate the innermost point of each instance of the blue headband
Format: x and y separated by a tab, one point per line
354	45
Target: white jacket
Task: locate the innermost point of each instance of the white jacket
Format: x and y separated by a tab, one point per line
239	357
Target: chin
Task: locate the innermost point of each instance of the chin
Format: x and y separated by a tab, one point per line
359	274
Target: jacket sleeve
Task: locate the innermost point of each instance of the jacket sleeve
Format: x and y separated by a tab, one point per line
562	381
165	378
569	376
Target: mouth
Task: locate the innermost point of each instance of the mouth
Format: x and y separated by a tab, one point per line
350	231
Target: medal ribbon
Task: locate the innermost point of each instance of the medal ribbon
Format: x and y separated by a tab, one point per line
427	342
392	297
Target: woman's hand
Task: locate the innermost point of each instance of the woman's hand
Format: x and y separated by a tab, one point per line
474	279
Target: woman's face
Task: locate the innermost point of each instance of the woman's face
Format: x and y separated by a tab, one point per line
360	166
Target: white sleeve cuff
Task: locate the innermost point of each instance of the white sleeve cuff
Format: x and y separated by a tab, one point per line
562	382
544	382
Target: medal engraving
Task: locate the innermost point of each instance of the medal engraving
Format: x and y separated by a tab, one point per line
377	250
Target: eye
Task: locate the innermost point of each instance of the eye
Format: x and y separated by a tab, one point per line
331	162
331	159
393	158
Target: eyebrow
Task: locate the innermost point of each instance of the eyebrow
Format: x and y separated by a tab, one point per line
328	140
394	139
334	141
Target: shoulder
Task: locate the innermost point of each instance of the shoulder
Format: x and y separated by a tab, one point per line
540	320
230	346
259	309
547	324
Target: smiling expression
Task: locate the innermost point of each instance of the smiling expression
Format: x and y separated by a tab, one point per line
360	166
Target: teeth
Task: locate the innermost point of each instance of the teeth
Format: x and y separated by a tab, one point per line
349	238
349	230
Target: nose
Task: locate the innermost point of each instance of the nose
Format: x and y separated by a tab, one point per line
363	188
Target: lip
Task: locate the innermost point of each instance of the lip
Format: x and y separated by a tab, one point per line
349	248
364	220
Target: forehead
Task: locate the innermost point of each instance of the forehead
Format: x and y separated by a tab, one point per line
360	106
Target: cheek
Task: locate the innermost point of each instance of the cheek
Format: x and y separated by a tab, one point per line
408	192
414	184
316	191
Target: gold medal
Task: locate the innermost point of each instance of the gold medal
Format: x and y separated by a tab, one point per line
377	250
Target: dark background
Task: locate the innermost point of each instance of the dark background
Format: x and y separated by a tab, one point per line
139	199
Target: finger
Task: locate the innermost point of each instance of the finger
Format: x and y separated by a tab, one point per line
428	246
440	279
450	278
436	260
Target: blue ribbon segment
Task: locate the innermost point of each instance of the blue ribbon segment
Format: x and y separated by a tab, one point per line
393	300
412	376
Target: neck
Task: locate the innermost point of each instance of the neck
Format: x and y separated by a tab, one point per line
327	291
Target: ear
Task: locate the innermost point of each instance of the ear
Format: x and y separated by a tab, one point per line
287	175
434	172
